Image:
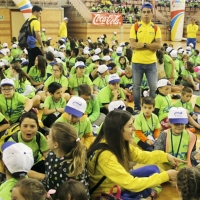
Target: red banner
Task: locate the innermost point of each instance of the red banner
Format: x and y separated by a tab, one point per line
107	19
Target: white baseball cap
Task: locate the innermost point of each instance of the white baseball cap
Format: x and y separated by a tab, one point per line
119	50
49	38
60	55
90	41
163	82
173	54
102	68
86	52
86	48
110	50
97	51
51	49
76	106
169	49
14	46
4	61
62	47
79	64
116	105
95	58
17	157
188	48
102	36
5	45
178	115
100	40
58	60
180	50
7	81
115	32
25	51
122	44
2	51
106	58
1	64
191	45
187	53
43	29
113	78
65	18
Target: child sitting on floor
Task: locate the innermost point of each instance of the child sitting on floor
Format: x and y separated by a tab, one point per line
177	141
147	125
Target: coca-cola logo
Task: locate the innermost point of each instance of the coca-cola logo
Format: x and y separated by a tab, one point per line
106	19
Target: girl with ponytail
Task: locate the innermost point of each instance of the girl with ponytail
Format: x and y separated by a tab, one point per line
67	157
22	83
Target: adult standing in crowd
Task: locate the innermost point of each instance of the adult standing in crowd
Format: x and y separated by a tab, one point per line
192	30
63	29
145	39
35	29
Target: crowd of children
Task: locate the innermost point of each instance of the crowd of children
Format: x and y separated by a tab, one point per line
75	85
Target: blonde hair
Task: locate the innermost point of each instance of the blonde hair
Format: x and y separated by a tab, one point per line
66	136
128	69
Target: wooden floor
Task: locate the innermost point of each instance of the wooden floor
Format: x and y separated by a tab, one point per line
169	192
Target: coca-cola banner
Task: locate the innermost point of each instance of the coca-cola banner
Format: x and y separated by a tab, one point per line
107	19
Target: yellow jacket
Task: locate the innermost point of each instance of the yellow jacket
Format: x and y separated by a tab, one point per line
109	166
192	31
63	30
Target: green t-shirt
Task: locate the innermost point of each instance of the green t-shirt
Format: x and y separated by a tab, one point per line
126	82
100	82
177	67
43	36
198	102
62	80
35	74
21	88
90	68
93	110
34	146
15	53
187	105
176	139
6	189
50	104
12	108
49	69
167	65
25	68
83	127
186	73
74	81
105	96
2	117
72	61
163	103
146	125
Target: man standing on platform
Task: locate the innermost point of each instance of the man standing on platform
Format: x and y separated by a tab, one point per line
63	29
145	39
192	30
35	29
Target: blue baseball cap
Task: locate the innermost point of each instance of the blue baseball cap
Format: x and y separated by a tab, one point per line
147	5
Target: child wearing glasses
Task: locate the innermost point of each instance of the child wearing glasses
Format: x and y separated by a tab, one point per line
57	76
178	141
13	104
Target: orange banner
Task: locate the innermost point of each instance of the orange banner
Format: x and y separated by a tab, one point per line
107	19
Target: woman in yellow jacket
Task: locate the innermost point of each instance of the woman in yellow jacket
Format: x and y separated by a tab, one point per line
111	153
63	29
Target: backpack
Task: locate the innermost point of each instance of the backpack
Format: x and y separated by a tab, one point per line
13	132
137	26
24	32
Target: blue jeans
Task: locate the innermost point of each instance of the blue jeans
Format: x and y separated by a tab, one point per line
191	40
140	172
150	70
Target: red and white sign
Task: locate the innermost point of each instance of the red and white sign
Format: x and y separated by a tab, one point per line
107	19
